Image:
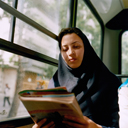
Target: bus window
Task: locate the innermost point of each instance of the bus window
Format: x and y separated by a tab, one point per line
124	49
18	73
89	25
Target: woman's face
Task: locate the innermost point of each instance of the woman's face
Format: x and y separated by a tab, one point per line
72	50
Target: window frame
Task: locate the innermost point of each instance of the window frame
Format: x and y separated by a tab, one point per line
14	48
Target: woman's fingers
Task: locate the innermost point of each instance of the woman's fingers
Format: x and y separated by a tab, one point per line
72	124
49	125
76	122
40	123
75	119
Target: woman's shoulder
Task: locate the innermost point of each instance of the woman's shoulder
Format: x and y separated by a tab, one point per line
53	81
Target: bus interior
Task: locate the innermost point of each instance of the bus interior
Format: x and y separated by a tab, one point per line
29	48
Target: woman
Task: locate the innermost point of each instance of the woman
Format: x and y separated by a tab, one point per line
83	73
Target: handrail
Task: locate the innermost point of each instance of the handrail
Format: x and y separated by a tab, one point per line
122	75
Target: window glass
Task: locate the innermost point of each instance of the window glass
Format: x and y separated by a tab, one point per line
5	19
29	37
9	2
51	14
124	49
89	25
19	73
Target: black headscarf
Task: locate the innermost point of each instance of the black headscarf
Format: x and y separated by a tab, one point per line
94	85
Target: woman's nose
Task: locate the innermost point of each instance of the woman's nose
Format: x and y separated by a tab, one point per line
71	51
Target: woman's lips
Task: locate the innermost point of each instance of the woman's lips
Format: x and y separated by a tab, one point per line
72	60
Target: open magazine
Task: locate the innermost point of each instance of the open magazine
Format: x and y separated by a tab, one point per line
52	104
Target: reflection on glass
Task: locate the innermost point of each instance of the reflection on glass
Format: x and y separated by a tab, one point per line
124	49
20	73
89	25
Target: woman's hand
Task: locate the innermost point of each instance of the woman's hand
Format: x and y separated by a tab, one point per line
75	122
40	123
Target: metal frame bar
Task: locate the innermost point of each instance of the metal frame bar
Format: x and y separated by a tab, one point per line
120	53
13	23
73	12
93	10
122	75
16	49
16	122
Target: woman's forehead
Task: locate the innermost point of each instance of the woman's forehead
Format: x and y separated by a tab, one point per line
71	39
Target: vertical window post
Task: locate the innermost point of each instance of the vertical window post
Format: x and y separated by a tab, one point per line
13	22
73	12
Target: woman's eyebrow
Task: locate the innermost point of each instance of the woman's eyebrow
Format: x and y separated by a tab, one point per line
71	43
75	42
64	45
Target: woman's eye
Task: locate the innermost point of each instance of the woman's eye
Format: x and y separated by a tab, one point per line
76	46
64	49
